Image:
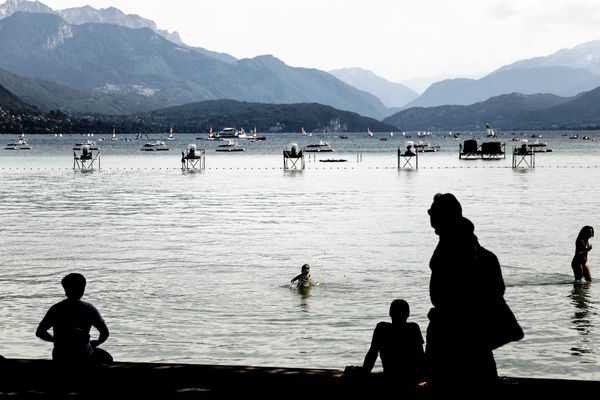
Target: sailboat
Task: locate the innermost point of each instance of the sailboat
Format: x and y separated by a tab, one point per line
304	132
171	137
369	132
257	138
211	135
114	134
490	131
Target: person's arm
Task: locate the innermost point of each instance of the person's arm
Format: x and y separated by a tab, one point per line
296	278
372	354
103	329
100	325
44	326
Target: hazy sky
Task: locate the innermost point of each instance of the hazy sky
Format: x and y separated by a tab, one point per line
397	39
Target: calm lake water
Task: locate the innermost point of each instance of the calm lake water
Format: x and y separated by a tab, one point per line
195	267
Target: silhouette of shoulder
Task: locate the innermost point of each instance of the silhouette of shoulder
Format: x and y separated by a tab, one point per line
75	313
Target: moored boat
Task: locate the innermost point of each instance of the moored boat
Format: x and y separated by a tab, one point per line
425	147
320	147
539	147
231	145
20	144
155	146
227	133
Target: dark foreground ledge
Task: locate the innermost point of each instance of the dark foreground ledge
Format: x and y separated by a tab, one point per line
20	379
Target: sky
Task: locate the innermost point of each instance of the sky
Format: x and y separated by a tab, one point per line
410	41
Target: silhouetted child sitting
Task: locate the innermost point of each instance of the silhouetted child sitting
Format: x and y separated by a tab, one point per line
303	277
400	346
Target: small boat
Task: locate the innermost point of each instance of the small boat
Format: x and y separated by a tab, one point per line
20	144
320	147
155	146
343	137
114	135
229	146
304	133
91	144
425	147
242	134
539	147
257	138
333	160
369	132
227	133
573	136
171	136
490	131
211	135
383	139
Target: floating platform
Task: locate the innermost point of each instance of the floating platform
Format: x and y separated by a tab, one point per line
43	379
470	150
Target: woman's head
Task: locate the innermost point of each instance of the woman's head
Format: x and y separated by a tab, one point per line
586	232
445	212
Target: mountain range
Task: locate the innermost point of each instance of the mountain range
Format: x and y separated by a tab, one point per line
564	73
103	61
114	59
513	111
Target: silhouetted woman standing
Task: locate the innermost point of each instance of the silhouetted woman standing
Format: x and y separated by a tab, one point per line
466	284
582	245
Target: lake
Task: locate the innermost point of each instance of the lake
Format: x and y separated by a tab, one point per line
194	267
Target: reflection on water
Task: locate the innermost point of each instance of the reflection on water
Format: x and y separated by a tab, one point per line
580	298
304	293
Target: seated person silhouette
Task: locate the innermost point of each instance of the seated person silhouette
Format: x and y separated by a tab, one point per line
400	346
523	149
71	320
410	151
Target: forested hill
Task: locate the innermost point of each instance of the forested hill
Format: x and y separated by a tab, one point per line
198	117
195	118
10	102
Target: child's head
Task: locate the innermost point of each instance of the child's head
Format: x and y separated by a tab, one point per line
305	269
74	285
399	310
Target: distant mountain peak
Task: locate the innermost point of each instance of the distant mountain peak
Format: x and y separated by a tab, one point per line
391	94
584	56
11	6
86	14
